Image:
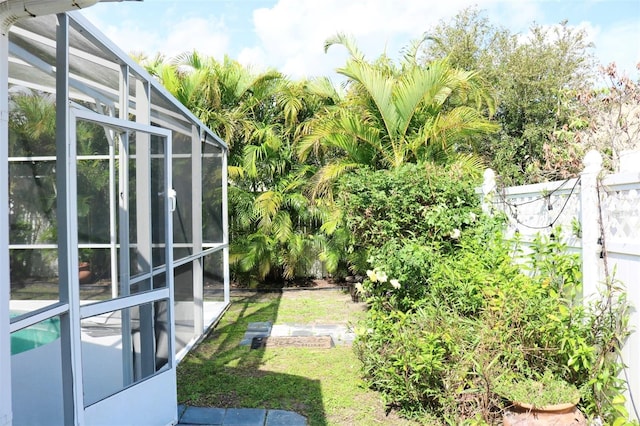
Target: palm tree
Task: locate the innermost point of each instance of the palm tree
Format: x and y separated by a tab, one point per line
274	226
260	116
275	229
396	114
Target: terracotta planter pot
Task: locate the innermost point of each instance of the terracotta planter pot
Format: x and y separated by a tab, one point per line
84	272
522	414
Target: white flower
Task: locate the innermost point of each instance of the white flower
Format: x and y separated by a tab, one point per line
395	284
359	288
382	277
455	234
372	276
473	216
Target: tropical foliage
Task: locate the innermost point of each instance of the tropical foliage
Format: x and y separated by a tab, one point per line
536	81
273	226
452	316
32	184
394	114
378	178
291	141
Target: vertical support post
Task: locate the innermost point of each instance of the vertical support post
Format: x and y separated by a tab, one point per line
113	216
146	352
5	284
168	249
590	222
225	224
143	178
67	212
196	229
125	254
488	190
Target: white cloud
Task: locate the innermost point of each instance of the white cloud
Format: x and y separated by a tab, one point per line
620	44
171	34
132	38
254	57
289	35
208	36
292	32
518	16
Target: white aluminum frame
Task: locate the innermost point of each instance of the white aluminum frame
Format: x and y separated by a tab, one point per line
68	308
5	294
127	300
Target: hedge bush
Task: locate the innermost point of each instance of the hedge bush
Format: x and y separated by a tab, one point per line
453	312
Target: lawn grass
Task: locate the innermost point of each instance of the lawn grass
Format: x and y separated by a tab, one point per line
322	384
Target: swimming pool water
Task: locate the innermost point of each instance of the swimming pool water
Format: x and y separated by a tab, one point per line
37	335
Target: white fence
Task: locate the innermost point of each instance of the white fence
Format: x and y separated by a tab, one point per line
600	219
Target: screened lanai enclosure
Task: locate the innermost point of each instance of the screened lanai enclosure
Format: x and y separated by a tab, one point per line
114	241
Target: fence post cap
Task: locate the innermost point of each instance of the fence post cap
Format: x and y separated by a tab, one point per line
592	162
489	174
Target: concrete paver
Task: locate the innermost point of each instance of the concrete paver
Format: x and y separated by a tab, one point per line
256	329
245	417
202	416
285	418
210	416
340	334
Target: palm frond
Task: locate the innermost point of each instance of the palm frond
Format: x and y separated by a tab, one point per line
297	202
241	207
331	221
282	227
347	41
380	89
458	124
327	175
323	88
266	206
235	172
469	164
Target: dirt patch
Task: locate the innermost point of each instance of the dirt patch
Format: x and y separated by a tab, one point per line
228	400
298	283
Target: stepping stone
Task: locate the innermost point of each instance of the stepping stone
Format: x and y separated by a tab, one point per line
280	330
300	333
320	342
285	418
245	417
256	329
264	326
202	416
320	330
340	333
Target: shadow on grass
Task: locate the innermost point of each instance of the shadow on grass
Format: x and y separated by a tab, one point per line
221	373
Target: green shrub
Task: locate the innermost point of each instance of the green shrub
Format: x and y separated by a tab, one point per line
420	202
403	221
450	319
406	357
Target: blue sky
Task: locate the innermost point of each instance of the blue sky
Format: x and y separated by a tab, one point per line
289	34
